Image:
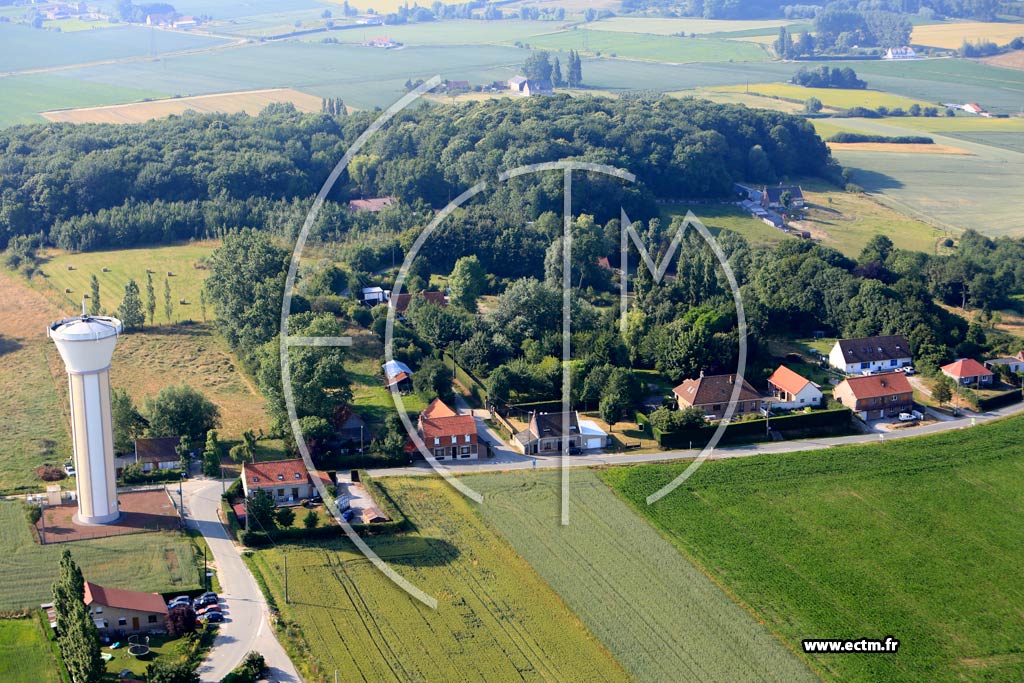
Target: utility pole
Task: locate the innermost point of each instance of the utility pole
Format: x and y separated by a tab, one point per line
42	524
206	574
286	601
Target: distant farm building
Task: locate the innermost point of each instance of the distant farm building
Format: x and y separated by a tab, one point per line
383	42
906	52
526	87
372	205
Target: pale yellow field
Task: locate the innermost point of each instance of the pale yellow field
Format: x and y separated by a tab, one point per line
247	101
753	101
895	147
952	36
671	26
1009	60
830	97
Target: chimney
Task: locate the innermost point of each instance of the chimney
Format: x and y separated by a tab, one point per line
702	374
732	379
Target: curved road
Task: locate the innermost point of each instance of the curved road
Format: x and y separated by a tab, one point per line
246	625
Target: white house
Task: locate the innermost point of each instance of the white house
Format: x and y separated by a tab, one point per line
790	390
906	52
376	295
869	355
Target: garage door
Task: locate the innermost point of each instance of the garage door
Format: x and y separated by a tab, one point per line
595	442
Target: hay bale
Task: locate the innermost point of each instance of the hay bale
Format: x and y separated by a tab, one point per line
67	290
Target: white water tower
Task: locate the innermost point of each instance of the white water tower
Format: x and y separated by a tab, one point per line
86	343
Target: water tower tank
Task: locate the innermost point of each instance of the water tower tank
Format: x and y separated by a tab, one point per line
86	343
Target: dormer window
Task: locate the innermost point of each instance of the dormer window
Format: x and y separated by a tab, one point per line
280	477
298	475
255	480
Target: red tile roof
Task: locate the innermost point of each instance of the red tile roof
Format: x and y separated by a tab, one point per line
372	205
966	367
713	389
274	471
444	428
438	408
401	301
876	386
788	381
400	377
122	599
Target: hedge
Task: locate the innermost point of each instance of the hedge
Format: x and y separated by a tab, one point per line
818	420
156	477
470	381
897	139
1000	400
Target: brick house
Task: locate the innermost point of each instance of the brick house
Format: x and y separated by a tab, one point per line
713	393
287	481
873	397
446	434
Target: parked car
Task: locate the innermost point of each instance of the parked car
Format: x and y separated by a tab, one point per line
209	609
69	468
211	618
911	416
205	599
909	370
181	600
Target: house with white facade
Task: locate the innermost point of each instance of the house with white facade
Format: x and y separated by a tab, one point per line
789	390
869	355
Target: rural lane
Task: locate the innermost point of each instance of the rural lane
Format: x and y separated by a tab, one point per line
246	625
514	461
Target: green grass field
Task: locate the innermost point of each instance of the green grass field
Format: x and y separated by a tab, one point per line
657	613
831	97
124	264
917	539
23	97
160	562
25	653
650	47
29	48
671	26
496	618
456	32
717	218
1001	140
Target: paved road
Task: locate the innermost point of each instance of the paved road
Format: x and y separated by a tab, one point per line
246	626
517	462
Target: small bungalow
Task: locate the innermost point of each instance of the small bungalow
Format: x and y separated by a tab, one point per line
782	197
873	397
968	371
713	393
116	611
1011	364
789	390
401	302
549	433
152	455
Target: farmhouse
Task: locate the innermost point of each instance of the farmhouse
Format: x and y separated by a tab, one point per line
448	435
973	108
526	87
782	197
397	374
870	354
286	480
713	393
372	205
905	52
789	390
968	371
876	396
545	434
186	22
118	611
383	42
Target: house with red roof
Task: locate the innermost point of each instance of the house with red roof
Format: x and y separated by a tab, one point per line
447	434
372	205
401	302
118	611
713	394
874	397
789	390
287	481
968	371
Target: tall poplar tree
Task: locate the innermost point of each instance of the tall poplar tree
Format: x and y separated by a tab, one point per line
94	296
150	297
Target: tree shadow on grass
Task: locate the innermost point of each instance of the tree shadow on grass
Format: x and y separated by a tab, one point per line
875	181
8	345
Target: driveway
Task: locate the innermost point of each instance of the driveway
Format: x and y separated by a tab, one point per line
246	625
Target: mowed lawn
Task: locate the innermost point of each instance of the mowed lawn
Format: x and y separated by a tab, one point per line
836	98
160	562
953	35
73	271
718	218
649	47
25	653
23	97
496	620
916	539
657	613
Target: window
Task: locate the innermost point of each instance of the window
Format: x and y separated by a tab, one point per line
280	493
98	610
865	366
455	439
464	450
122	621
893	363
467	438
438	452
437	441
152	618
295	493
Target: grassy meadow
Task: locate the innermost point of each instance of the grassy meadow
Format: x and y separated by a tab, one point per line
657	613
671	26
718	218
650	47
25	653
497	619
160	561
917	539
22	97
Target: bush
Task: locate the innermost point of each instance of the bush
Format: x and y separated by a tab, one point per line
285	517
893	139
863	113
249	671
311	520
50	473
181	620
33	513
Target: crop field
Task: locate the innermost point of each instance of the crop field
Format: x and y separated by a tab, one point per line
29	48
465	32
650	47
497	619
896	148
36	421
953	35
918	539
957	124
23	97
830	97
159	561
657	613
249	102
688	25
25	653
1001	140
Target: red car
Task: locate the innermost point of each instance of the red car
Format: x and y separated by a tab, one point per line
209	609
